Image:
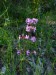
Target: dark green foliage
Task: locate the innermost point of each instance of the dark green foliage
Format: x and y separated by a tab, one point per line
13	14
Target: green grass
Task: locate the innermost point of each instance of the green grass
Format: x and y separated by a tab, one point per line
12	23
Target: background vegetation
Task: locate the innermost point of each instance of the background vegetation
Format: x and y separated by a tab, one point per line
13	14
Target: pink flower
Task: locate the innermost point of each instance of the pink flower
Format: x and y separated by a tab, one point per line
27	52
34	52
28	21
34	20
27	37
31	21
28	28
18	52
33	39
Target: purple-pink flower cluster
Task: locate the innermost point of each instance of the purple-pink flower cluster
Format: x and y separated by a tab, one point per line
27	52
32	38
30	28
31	21
23	36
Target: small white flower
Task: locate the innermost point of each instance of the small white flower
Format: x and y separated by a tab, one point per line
27	37
19	37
